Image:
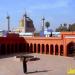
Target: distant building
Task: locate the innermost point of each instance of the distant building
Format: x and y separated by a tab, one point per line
46	32
26	25
3	33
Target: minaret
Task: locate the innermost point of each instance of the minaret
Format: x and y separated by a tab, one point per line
8	20
43	22
24	17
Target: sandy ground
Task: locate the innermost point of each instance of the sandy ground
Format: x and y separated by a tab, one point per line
47	65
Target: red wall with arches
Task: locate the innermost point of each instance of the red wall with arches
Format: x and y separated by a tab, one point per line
43	45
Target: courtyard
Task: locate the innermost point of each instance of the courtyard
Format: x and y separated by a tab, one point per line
47	65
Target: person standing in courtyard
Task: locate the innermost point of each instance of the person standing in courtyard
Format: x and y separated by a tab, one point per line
24	65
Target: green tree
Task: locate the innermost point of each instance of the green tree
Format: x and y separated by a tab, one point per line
62	27
65	25
47	24
71	27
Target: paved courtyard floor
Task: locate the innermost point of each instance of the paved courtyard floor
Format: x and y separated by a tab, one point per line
47	65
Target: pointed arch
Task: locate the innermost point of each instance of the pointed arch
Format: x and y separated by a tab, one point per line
56	49
51	49
47	49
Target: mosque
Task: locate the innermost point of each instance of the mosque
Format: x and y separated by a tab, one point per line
63	44
25	25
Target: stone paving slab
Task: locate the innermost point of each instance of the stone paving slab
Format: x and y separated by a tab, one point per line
47	65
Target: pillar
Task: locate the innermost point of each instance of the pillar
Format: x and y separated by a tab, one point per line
65	50
32	48
28	48
54	50
58	49
41	48
49	50
45	49
36	48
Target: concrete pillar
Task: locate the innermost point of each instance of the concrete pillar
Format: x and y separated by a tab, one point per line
41	48
29	48
45	49
36	48
33	48
65	50
49	50
54	49
58	49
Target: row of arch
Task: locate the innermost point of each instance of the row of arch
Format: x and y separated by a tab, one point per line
71	49
47	49
11	48
31	48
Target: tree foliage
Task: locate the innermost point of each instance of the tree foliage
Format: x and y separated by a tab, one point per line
65	27
62	27
71	27
47	24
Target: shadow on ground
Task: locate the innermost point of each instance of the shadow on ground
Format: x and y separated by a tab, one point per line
38	71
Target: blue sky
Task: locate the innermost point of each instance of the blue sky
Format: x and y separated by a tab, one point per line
54	11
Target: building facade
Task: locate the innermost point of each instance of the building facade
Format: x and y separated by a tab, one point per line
63	45
26	25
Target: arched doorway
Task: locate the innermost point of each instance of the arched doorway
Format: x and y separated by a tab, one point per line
38	48
71	49
56	49
34	48
51	49
47	49
31	48
2	49
61	50
42	48
27	47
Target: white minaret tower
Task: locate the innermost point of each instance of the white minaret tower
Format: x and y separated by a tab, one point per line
8	21
43	23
